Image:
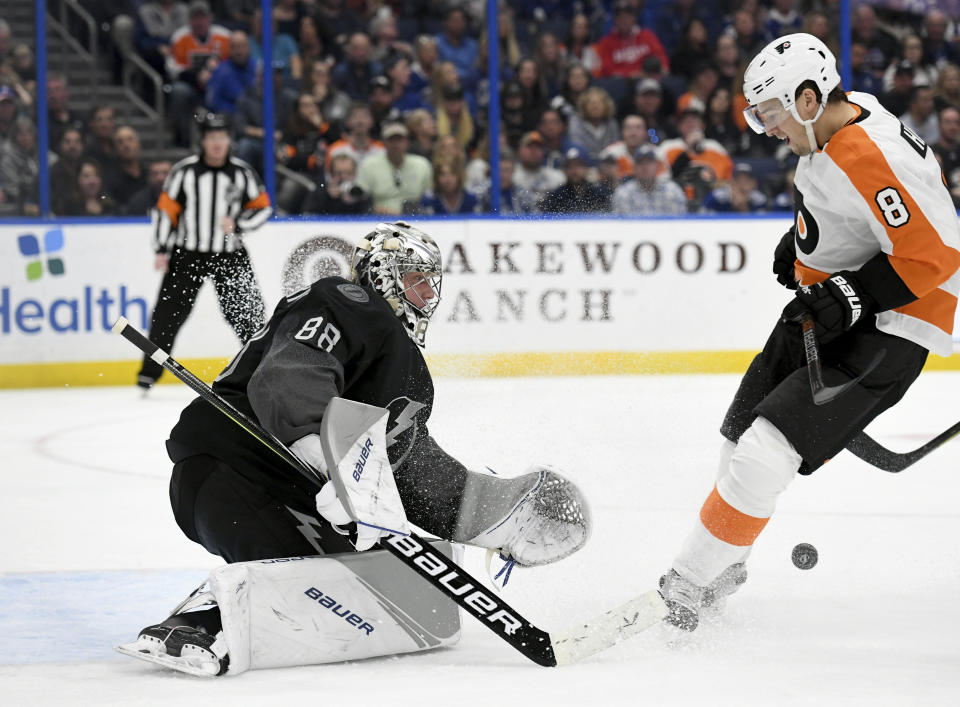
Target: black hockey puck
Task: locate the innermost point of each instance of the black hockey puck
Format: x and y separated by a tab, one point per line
804	556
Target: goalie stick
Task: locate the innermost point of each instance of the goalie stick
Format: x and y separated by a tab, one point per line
543	648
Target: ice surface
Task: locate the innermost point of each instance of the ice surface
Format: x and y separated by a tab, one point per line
91	554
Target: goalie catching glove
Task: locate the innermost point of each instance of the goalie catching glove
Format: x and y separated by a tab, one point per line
533	519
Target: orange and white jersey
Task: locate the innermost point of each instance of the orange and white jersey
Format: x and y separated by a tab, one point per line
621	153
189	52
710	153
344	146
875	186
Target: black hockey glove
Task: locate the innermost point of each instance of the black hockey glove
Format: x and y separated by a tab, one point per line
784	259
836	304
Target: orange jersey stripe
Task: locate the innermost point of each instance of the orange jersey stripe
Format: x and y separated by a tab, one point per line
936	307
185	45
261	202
170	207
809	276
919	257
728	524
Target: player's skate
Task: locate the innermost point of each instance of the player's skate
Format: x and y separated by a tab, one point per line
686	601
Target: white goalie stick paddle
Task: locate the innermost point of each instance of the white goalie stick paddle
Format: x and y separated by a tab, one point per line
543	648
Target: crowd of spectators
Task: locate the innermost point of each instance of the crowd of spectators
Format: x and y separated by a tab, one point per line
381	106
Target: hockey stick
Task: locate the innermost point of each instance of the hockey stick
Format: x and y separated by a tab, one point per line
874	453
823	394
438	570
863	445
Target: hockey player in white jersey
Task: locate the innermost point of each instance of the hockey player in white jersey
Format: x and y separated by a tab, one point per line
872	257
293	592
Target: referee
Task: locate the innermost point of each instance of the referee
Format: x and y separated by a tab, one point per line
208	202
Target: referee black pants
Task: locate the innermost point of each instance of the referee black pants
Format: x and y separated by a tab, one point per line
237	292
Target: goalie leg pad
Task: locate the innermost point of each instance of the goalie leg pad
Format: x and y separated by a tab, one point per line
314	610
536	518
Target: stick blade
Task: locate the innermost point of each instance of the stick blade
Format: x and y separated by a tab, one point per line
606	630
872	452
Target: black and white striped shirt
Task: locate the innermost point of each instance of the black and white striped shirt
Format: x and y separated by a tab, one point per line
196	198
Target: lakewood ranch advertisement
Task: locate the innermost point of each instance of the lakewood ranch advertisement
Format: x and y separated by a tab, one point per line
517	296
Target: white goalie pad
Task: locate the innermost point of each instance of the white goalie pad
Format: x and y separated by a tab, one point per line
314	610
353	436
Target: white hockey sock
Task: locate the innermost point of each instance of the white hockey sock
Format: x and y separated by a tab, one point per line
760	468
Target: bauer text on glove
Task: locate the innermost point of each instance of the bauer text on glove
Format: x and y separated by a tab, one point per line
836	305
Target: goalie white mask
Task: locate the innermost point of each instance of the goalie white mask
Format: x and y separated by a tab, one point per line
403	264
771	81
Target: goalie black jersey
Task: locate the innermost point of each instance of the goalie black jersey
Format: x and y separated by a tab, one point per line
334	338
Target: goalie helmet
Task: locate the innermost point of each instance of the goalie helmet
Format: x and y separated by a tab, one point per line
402	263
777	72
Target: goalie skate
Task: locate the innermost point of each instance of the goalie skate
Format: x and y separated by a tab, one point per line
184	648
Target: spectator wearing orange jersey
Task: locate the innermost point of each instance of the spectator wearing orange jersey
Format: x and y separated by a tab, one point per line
357	142
195	51
621	53
703	85
198	41
693	150
303	150
634	134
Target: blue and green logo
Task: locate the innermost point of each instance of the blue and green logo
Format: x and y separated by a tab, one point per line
30	248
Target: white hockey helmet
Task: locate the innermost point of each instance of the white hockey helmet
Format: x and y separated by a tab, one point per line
402	263
777	72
